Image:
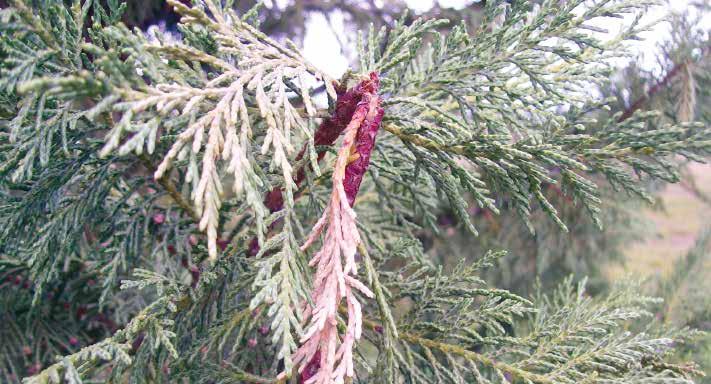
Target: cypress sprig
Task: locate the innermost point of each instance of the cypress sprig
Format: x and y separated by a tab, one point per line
189	169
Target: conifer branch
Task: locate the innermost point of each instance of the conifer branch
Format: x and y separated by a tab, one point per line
172	190
473	356
489	118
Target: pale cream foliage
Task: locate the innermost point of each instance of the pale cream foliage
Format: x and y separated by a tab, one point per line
253	69
687	93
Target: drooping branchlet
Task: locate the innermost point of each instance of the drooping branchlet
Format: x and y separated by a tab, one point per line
324	350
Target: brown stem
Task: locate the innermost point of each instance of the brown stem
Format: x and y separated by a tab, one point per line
172	190
459	351
639	103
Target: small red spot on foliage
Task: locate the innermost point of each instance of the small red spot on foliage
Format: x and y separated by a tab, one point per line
34	369
253	247
195	274
137	342
159	218
252	342
264	330
81	312
311	368
223	244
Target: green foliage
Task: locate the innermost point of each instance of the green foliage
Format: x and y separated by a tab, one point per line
494	99
151	156
686	302
681	75
571	338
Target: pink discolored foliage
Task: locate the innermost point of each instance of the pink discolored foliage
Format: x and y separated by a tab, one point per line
326	135
326	355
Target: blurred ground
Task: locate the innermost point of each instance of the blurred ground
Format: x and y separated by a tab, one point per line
672	227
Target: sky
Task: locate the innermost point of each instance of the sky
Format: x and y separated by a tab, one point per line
321	45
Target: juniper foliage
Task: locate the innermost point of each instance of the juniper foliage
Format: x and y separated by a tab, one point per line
163	188
677	86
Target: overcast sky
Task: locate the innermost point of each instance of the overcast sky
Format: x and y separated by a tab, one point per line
322	49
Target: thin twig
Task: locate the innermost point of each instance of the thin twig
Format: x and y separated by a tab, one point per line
676	70
457	350
172	190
